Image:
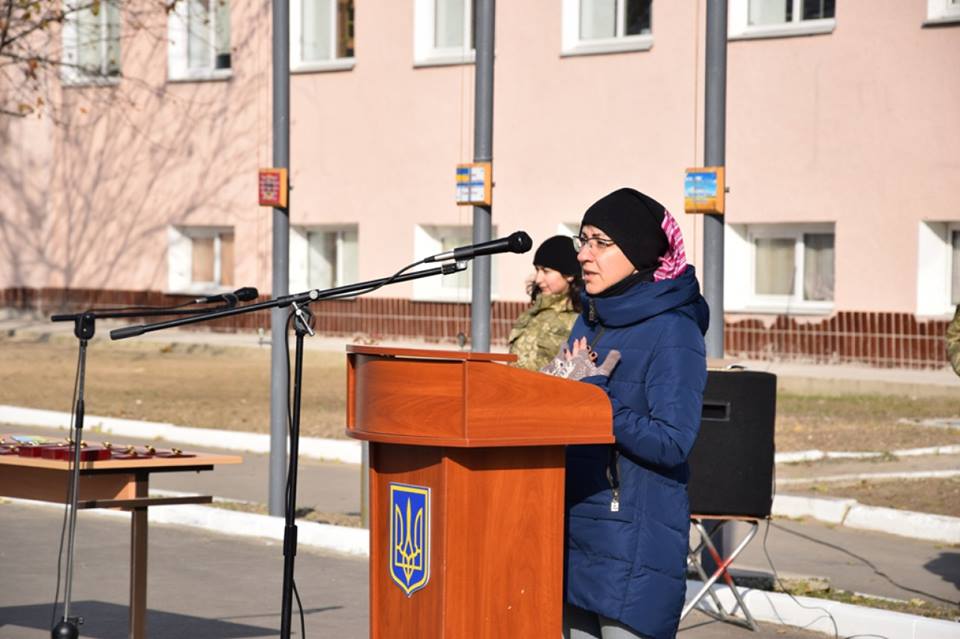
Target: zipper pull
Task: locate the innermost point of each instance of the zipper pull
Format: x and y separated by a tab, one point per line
592	315
615	501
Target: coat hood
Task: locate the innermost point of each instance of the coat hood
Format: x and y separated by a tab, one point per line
649	299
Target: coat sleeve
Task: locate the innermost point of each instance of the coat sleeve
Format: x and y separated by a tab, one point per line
674	394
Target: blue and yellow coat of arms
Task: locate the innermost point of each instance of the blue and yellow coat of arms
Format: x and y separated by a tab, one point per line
409	536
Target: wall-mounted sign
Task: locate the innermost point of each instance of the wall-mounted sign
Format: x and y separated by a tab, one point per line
703	190
474	182
272	187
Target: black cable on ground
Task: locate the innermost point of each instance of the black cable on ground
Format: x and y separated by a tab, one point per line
867	562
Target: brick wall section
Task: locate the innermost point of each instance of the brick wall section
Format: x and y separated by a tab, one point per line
894	340
889	340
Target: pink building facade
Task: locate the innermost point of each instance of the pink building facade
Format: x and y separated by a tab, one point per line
842	228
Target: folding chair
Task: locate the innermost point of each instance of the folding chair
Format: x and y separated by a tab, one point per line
722	571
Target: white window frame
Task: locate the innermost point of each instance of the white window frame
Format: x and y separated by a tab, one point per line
739	28
430	289
740	261
180	258
297	63
942	12
178	63
299	251
425	53
71	73
572	45
935	268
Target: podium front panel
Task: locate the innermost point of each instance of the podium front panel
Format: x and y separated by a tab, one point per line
495	542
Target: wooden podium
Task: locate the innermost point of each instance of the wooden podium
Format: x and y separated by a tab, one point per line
466	489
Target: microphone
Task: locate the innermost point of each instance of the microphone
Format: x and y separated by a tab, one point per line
244	294
518	242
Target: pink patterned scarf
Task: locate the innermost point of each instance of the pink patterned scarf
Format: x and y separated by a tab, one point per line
674	262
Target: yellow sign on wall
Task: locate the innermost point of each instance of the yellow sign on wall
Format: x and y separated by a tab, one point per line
703	190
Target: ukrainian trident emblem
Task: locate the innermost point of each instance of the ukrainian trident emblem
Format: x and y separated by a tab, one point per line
409	536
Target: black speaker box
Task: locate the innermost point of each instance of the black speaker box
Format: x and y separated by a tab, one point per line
731	464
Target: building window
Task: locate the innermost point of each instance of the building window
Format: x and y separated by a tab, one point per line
321	35
780	268
777	18
939	11
200	259
443	32
606	26
433	239
938	268
323	257
91	41
199	46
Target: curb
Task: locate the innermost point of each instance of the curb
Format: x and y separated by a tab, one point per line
815	614
341	539
346	451
850	513
817	455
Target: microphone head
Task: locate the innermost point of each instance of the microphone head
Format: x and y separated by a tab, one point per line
520	242
246	294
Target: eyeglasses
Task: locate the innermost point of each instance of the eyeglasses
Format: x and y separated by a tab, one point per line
595	244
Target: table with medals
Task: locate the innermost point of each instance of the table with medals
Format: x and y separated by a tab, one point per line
111	476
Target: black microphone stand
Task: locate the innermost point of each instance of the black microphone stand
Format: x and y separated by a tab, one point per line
84	328
303	319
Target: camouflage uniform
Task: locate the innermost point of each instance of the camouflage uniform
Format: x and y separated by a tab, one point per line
953	341
543	328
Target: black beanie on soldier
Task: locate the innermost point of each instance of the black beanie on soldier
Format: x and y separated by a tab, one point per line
632	220
558	253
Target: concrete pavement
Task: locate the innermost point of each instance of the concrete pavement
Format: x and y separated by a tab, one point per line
202	584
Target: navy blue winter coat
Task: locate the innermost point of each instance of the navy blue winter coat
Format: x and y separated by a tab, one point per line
627	508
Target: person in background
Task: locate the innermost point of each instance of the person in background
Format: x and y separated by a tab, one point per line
953	341
540	332
640	340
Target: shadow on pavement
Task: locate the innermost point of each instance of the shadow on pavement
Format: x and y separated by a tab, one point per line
947	566
110	621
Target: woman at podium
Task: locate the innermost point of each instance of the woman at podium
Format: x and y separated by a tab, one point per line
627	508
543	328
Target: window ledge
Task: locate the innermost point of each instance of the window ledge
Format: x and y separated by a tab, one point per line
805	28
612	45
798	308
90	81
439	58
941	21
342	64
205	75
199	288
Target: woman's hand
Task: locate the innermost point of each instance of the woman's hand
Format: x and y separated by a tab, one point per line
579	361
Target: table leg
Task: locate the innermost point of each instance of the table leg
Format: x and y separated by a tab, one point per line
138	564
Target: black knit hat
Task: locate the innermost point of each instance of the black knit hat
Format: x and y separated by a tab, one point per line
632	220
558	253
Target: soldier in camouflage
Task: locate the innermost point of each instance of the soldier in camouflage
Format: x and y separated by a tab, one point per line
953	341
541	331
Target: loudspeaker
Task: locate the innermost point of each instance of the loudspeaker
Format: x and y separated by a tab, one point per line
731	464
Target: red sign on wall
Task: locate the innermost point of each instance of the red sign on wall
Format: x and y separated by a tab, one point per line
272	187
